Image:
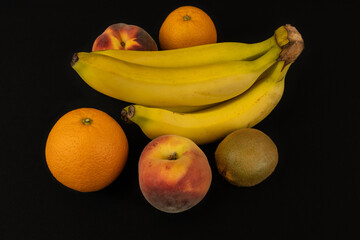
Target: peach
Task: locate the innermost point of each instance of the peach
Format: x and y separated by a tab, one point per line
125	37
174	173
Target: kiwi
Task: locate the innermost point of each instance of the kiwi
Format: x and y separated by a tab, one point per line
246	157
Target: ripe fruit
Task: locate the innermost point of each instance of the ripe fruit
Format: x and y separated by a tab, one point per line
246	157
125	37
185	27
174	173
86	150
217	121
163	86
198	85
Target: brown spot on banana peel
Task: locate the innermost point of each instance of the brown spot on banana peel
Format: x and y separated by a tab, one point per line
291	51
281	79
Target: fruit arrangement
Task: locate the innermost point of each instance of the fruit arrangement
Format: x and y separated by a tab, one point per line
193	91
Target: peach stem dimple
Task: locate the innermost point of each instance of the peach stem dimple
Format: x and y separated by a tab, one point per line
172	156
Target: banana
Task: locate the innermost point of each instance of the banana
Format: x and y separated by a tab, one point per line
214	123
181	86
188	109
195	56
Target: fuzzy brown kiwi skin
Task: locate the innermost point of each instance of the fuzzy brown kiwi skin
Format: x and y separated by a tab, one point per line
246	157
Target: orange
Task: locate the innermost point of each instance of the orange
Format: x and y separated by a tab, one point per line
185	27
86	150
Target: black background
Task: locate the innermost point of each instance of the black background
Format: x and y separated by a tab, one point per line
312	194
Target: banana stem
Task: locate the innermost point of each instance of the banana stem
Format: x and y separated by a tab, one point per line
294	47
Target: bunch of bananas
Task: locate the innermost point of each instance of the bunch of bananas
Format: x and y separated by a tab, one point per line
202	92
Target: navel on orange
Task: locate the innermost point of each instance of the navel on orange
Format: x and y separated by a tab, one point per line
185	27
86	150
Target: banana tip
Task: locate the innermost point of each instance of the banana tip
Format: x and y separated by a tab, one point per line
127	113
74	59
